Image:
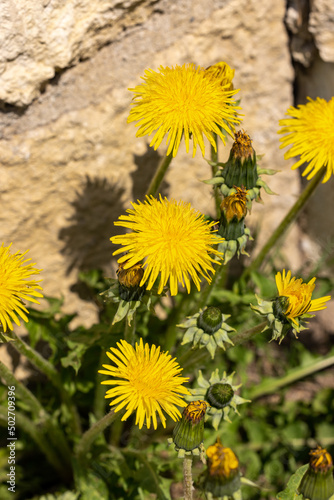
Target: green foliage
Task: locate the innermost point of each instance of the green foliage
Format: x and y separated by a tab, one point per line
290	492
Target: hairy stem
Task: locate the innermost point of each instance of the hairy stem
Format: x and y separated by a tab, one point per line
187	478
89	436
214	169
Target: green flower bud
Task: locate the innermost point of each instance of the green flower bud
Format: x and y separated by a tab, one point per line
188	432
219	395
210	320
241	168
317	482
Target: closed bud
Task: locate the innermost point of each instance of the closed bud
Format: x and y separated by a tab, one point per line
241	167
188	432
222	72
220	395
317	482
210	320
129	280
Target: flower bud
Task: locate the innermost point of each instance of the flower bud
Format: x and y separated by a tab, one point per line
241	168
129	279
210	320
222	72
220	395
207	328
188	432
317	482
233	212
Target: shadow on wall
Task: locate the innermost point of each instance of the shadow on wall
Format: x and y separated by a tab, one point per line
86	239
87	236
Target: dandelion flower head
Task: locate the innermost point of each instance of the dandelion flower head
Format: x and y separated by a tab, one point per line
144	380
16	286
174	240
183	100
310	132
299	295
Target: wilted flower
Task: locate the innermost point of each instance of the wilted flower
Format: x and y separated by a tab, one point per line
222	477
188	432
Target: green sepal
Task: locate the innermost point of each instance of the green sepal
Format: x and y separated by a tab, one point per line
188	436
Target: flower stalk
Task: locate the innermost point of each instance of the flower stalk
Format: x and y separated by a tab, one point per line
159	175
214	170
89	436
288	219
187	478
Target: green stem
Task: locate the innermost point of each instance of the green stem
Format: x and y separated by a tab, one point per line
290	217
271	385
178	314
214	169
159	175
34	431
129	330
99	405
36	359
22	392
89	437
187	478
242	337
218	280
49	370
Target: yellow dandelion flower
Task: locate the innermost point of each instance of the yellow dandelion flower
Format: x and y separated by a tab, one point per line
145	380
183	101
173	238
16	286
310	131
299	295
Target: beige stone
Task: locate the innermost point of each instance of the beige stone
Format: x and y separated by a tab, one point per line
321	25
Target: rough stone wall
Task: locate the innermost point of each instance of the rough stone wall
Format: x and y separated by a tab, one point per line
70	163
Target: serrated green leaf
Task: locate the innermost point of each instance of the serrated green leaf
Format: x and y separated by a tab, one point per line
290	491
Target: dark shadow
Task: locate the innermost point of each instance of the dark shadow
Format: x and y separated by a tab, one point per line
86	239
147	165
